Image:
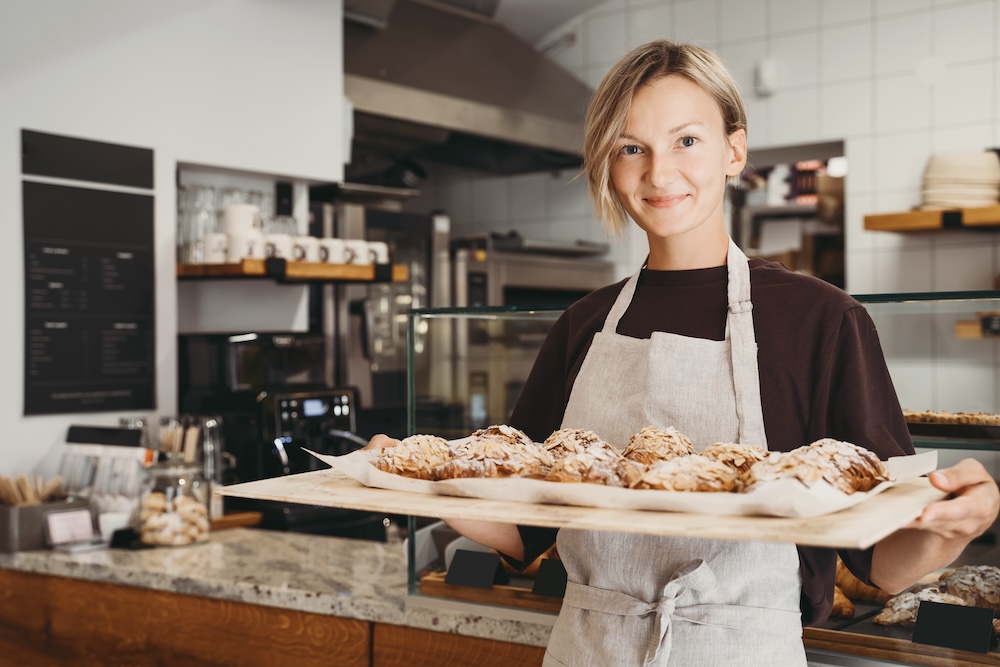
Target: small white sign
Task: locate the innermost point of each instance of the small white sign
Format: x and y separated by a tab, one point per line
70	526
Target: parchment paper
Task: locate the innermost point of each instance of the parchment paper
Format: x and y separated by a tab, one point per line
785	498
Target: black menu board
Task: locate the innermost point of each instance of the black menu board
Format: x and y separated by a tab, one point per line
89	300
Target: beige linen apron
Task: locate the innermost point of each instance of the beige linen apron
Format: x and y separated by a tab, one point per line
649	600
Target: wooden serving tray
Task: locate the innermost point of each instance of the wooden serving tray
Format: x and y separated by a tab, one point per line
858	527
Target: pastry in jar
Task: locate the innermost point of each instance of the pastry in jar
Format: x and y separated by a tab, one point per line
496	457
416	456
652	445
597	466
572	441
690	473
735	455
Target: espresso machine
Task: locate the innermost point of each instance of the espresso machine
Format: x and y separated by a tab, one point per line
270	392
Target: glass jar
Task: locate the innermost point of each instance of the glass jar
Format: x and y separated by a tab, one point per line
173	509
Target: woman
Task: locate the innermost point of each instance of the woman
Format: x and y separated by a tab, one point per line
725	350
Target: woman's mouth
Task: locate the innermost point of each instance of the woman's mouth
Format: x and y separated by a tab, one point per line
665	201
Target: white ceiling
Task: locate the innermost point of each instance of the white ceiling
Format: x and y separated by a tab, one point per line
533	19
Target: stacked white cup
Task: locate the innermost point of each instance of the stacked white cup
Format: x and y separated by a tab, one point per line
241	223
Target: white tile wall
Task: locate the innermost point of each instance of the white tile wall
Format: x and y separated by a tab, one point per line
604	38
901	42
846	109
886	7
649	23
904	271
965	95
794	116
964	32
798	59
741	60
901	103
696	21
894	79
900	160
843	11
969	267
743	19
793	15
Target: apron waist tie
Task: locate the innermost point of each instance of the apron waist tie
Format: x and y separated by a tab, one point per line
694	575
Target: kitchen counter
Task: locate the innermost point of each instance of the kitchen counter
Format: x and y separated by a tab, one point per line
353	579
251	597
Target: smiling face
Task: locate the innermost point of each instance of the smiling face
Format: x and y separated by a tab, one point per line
669	172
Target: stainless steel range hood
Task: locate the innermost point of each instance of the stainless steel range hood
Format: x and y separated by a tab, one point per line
433	82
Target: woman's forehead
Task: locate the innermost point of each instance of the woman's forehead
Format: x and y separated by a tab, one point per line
672	100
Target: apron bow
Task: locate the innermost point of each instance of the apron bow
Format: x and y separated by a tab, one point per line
693	575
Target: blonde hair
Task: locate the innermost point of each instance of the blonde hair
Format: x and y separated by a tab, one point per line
608	111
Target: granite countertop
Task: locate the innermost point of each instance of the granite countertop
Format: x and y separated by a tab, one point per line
325	575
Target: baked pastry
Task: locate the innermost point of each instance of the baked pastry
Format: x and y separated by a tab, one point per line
946	417
735	455
501	433
855	589
598	466
690	473
652	445
415	456
843	465
842	605
978	585
572	441
902	609
530	570
491	456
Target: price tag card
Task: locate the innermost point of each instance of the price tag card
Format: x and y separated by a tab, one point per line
69	527
551	579
952	626
476	569
990	324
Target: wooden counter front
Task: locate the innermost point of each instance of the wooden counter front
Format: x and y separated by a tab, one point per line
46	620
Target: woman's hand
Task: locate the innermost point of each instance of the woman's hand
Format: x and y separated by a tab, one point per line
939	535
971	508
381	441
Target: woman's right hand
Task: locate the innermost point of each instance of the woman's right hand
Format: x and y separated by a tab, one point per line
381	441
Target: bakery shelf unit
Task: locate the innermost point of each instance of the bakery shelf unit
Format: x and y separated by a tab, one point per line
943	349
282	270
985	217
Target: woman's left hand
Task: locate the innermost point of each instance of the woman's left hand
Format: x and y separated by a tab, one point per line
970	509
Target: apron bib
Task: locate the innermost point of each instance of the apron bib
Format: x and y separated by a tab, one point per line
651	600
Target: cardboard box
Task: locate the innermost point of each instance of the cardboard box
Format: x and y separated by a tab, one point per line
22	527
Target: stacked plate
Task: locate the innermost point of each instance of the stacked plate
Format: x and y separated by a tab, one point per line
961	180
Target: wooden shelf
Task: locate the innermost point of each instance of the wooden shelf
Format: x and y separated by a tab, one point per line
927	220
505	596
285	271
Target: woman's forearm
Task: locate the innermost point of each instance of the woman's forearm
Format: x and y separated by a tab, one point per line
500	536
903	558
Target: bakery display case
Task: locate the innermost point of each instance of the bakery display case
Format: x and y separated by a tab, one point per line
466	368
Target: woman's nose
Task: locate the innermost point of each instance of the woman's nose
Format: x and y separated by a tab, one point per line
662	169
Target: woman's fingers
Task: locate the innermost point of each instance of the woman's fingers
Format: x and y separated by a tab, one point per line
381	441
972	507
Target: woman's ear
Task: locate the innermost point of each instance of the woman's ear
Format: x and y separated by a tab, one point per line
737	152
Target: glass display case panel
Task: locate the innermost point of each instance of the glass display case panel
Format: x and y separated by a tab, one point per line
467	366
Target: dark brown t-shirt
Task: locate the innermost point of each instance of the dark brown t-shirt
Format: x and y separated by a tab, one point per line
822	374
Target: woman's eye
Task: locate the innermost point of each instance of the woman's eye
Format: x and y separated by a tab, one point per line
630	150
688	142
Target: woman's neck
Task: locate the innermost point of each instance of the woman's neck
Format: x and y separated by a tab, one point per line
689	251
